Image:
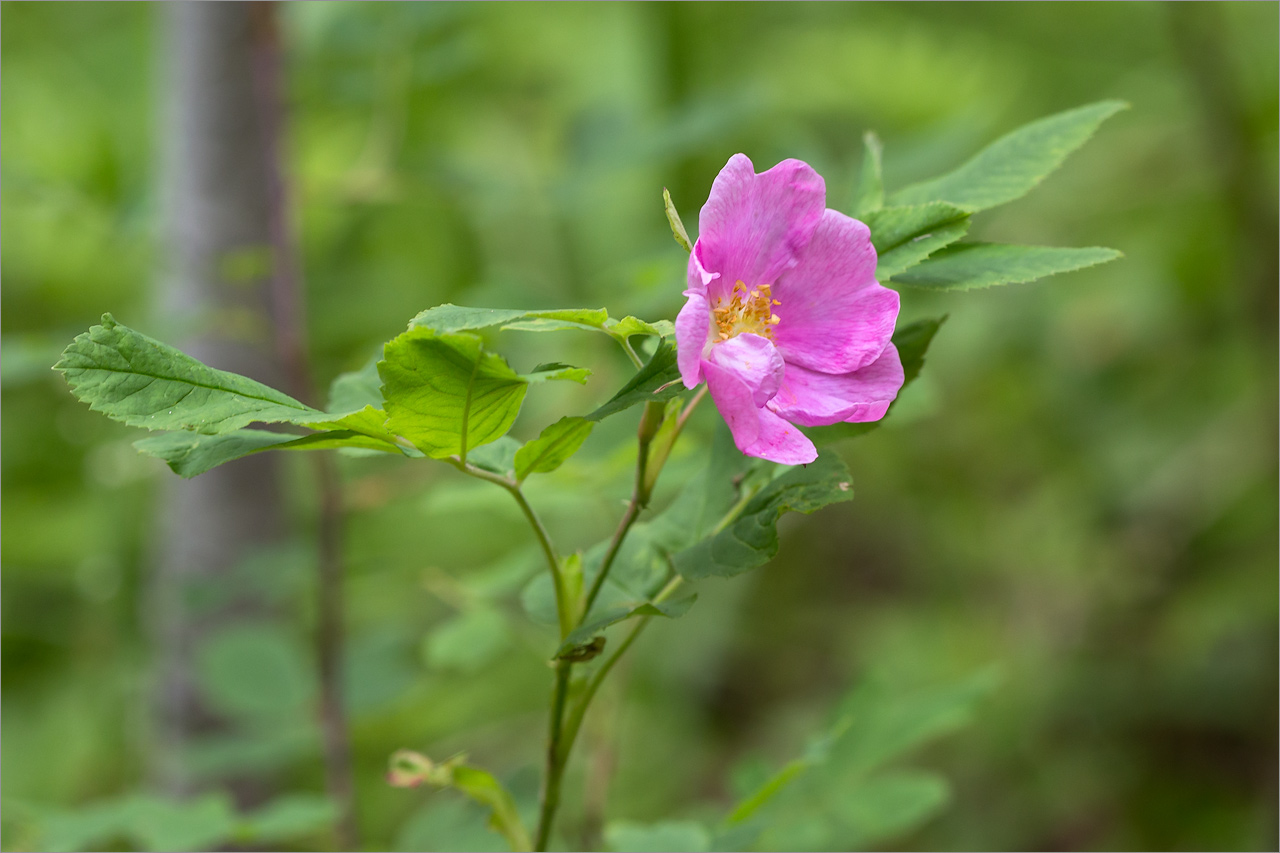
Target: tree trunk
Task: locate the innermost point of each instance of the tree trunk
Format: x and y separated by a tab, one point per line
216	297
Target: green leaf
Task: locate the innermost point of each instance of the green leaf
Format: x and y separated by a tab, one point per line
1014	164
189	454
583	635
627	836
912	342
557	370
971	265
657	381
870	195
141	382
904	236
673	219
288	817
356	389
752	539
498	457
628	326
549	450
890	804
457	318
446	393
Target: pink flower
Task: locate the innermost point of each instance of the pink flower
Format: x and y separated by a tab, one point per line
785	319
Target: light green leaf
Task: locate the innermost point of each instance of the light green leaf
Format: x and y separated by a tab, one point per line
673	219
189	454
871	182
657	381
628	326
1014	164
142	382
584	634
904	236
752	539
556	370
626	836
889	804
457	318
912	342
446	393
971	265
549	450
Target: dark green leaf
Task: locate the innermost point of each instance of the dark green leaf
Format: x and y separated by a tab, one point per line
904	236
912	342
141	382
870	183
966	266
752	539
657	381
549	450
446	393
189	454
498	457
1013	165
352	391
585	633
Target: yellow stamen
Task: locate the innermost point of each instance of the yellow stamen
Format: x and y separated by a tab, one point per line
746	310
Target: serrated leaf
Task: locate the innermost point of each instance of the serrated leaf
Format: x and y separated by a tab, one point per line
446	393
1015	163
752	539
458	318
673	219
912	342
657	381
556	370
584	634
142	382
549	450
904	236
628	326
870	195
972	265
189	454
626	836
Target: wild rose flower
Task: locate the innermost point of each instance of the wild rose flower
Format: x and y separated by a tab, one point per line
785	319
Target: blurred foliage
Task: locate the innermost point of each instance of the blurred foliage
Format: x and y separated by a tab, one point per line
1080	487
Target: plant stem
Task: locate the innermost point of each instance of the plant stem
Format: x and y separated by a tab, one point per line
555	759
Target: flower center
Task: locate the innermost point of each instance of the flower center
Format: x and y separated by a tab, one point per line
746	311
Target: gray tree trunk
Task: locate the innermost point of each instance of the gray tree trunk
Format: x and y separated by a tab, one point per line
216	298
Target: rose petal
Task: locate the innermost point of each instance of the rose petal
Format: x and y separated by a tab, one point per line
835	317
753	226
693	327
810	398
733	400
781	442
754	360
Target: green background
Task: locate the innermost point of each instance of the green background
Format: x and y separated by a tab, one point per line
1080	490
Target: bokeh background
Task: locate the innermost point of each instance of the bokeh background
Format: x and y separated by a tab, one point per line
1079	494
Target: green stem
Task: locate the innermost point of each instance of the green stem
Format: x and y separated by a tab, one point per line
556	756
